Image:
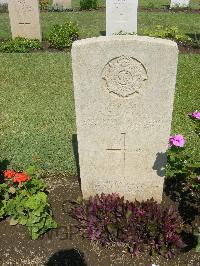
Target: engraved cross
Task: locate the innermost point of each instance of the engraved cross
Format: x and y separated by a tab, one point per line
123	149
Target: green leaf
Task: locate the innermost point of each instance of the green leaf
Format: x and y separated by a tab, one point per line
31	170
13	221
198	245
128	214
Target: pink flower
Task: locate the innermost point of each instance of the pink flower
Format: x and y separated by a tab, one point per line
196	115
198	178
177	141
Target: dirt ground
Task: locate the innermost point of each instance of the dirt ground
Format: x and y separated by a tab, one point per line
64	246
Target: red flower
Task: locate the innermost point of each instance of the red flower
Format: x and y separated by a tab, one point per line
21	177
9	174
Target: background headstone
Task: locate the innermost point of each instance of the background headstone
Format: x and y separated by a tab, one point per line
62	3
124	102
25	18
180	3
121	15
3	2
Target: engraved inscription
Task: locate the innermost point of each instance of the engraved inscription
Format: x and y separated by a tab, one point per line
111	186
124	76
121	4
24	10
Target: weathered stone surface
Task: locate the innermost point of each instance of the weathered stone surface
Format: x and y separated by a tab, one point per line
63	3
24	18
180	3
124	90
121	15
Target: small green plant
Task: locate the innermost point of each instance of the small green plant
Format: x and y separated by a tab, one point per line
88	4
24	201
19	45
172	33
180	163
62	36
198	240
183	167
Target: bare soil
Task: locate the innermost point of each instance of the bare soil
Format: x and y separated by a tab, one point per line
64	246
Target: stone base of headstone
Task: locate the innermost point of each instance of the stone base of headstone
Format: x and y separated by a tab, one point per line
62	3
179	3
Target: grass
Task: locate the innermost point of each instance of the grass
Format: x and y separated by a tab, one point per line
93	23
37	108
36	92
187	100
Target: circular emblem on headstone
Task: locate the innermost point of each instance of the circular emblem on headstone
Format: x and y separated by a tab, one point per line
124	76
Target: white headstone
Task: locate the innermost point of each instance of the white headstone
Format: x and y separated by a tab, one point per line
62	3
121	16
180	3
25	18
124	90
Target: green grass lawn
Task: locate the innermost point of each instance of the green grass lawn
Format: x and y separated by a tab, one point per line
93	23
36	91
37	108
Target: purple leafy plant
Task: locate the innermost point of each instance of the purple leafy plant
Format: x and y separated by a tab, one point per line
139	225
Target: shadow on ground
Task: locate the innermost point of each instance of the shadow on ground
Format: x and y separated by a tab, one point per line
3	166
71	257
194	36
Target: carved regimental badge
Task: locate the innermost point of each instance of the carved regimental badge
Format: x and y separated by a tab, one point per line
124	76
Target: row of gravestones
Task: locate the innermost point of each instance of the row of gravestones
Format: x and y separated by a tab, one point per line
121	15
59	3
25	17
124	102
67	3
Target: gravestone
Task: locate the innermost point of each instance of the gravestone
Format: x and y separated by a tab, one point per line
62	3
179	3
121	16
24	18
124	102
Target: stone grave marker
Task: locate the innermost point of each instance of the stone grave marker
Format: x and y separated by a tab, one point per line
179	3
25	18
62	3
124	102
121	15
